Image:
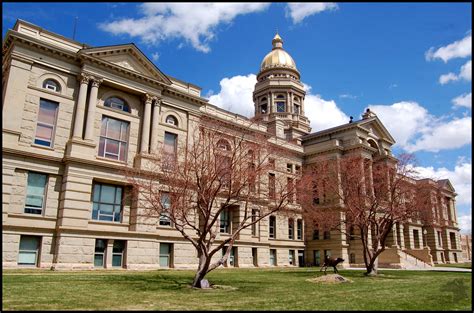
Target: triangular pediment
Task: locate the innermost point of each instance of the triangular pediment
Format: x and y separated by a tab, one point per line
445	183
128	57
377	129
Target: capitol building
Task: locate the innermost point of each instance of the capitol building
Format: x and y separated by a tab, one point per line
74	116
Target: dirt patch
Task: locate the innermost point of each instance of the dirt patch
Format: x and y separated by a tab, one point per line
330	279
215	288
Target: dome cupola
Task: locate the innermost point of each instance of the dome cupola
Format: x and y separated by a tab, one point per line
277	58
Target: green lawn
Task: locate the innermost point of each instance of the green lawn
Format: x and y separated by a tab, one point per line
459	265
253	289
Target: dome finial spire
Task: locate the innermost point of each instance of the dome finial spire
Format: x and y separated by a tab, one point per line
277	42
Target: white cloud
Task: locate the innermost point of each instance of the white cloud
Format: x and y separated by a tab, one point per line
458	49
155	56
236	95
322	113
450	135
464	74
414	129
299	11
460	178
196	23
465	223
463	100
411	115
348	96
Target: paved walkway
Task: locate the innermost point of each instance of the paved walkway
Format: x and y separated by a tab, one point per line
434	268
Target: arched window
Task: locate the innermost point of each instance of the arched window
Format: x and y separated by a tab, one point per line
117	103
224	145
51	84
280	97
170	119
263	105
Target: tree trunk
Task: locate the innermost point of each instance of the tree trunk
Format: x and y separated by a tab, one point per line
201	272
372	268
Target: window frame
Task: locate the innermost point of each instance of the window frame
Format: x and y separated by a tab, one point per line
103	253
121	254
114	205
171	117
225	215
125	107
120	141
36	251
37	141
43	201
57	87
165	216
291	229
272	228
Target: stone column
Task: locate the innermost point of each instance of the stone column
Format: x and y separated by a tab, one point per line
91	111
81	106
146	124
271	109
154	125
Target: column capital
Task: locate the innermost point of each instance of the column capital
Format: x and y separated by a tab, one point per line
84	78
147	98
157	100
96	81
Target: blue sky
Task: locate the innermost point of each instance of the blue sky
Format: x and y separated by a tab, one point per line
409	62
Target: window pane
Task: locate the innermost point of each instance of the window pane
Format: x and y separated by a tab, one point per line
170	143
119	246
103	126
98	260
96	192
113	128
124	131
27	258
165	248
95	211
44	133
111	148
34	201
117	260
107	209
100	245
118	195
117	213
107	194
29	243
164	261
36	183
47	112
123	151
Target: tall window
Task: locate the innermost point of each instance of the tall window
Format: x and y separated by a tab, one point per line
165	215
273	257
113	139
46	125
327	234
29	250
225	221
272	227
170	144
299	229
117	103
280	107
291	228
291	257
165	254
291	190
271	185
107	203
117	253
51	84
317	257
440	241
254	218
99	254
35	193
316	234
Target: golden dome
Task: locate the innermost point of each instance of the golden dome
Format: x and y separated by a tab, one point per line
277	57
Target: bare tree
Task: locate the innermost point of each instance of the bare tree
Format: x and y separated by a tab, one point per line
362	198
221	170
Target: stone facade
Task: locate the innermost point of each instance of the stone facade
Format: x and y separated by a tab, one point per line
63	233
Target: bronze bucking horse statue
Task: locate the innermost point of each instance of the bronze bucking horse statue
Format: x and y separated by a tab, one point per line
328	261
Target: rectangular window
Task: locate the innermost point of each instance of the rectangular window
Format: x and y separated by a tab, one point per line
289	168
254	225
271	185
113	139
280	107
166	203
254	256
316	234
317	257
273	257
290	190
35	193
29	250
291	230
272	226
117	253
225	221
452	239
440	241
45	127
327	234
291	257
299	229
99	255
165	254
416	238
170	145
107	203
